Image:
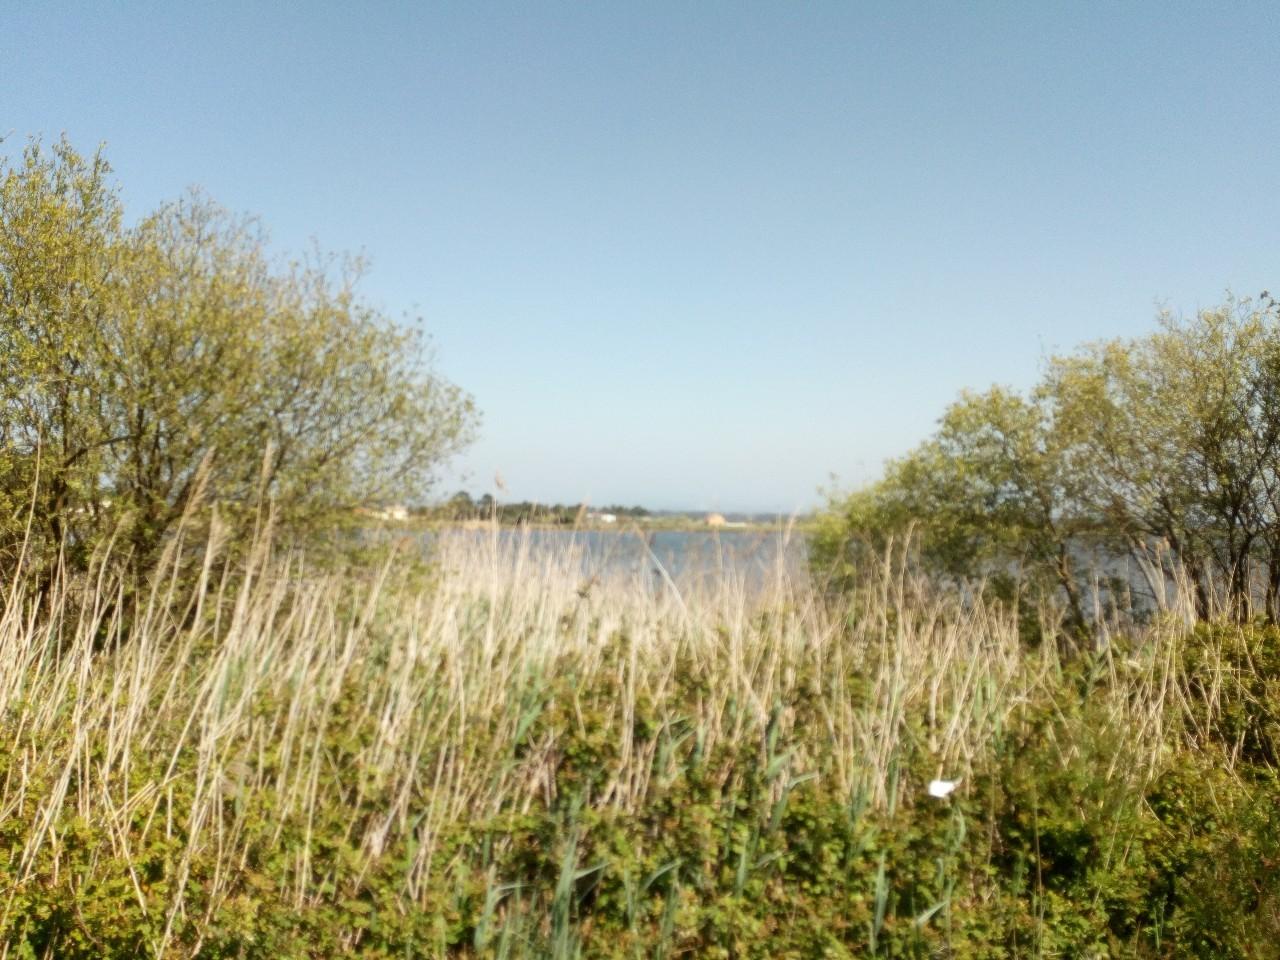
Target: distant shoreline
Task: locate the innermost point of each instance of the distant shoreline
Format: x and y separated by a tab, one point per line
627	525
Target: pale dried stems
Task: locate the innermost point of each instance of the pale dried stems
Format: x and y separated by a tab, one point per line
248	705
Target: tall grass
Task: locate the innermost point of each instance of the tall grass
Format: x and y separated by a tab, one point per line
251	755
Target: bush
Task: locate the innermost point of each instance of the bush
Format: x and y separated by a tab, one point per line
488	763
142	366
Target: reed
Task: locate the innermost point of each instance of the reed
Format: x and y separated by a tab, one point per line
499	753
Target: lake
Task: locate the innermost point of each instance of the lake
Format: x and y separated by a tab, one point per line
689	558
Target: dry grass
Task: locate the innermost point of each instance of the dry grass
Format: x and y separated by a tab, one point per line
247	702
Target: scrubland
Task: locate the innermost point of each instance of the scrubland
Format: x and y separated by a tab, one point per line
491	752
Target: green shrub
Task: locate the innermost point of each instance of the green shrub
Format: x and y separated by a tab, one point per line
489	764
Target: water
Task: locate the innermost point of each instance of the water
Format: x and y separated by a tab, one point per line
685	557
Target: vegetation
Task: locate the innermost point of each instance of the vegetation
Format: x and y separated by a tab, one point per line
213	746
494	763
463	507
140	362
1151	456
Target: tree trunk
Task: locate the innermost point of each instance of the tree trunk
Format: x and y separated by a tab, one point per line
1273	584
1241	599
1195	570
1077	623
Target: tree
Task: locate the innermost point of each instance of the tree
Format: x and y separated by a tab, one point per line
988	496
460	506
1171	440
138	362
1180	433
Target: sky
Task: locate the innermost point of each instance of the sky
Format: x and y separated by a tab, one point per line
702	256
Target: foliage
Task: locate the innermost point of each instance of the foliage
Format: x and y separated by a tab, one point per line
1163	449
141	364
1232	686
493	762
989	497
1180	435
463	507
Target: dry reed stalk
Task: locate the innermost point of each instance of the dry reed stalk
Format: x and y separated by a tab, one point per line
245	686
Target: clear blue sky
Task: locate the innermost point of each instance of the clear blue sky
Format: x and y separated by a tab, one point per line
702	255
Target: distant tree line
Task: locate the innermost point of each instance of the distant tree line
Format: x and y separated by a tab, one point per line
1163	450
462	506
146	365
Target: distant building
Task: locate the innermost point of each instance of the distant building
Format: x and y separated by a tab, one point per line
395	511
602	517
716	520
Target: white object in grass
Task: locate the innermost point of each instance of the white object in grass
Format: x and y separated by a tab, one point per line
941	788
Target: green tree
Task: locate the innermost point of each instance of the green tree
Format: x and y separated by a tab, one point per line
991	495
1179	432
1166	445
460	506
60	292
137	363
